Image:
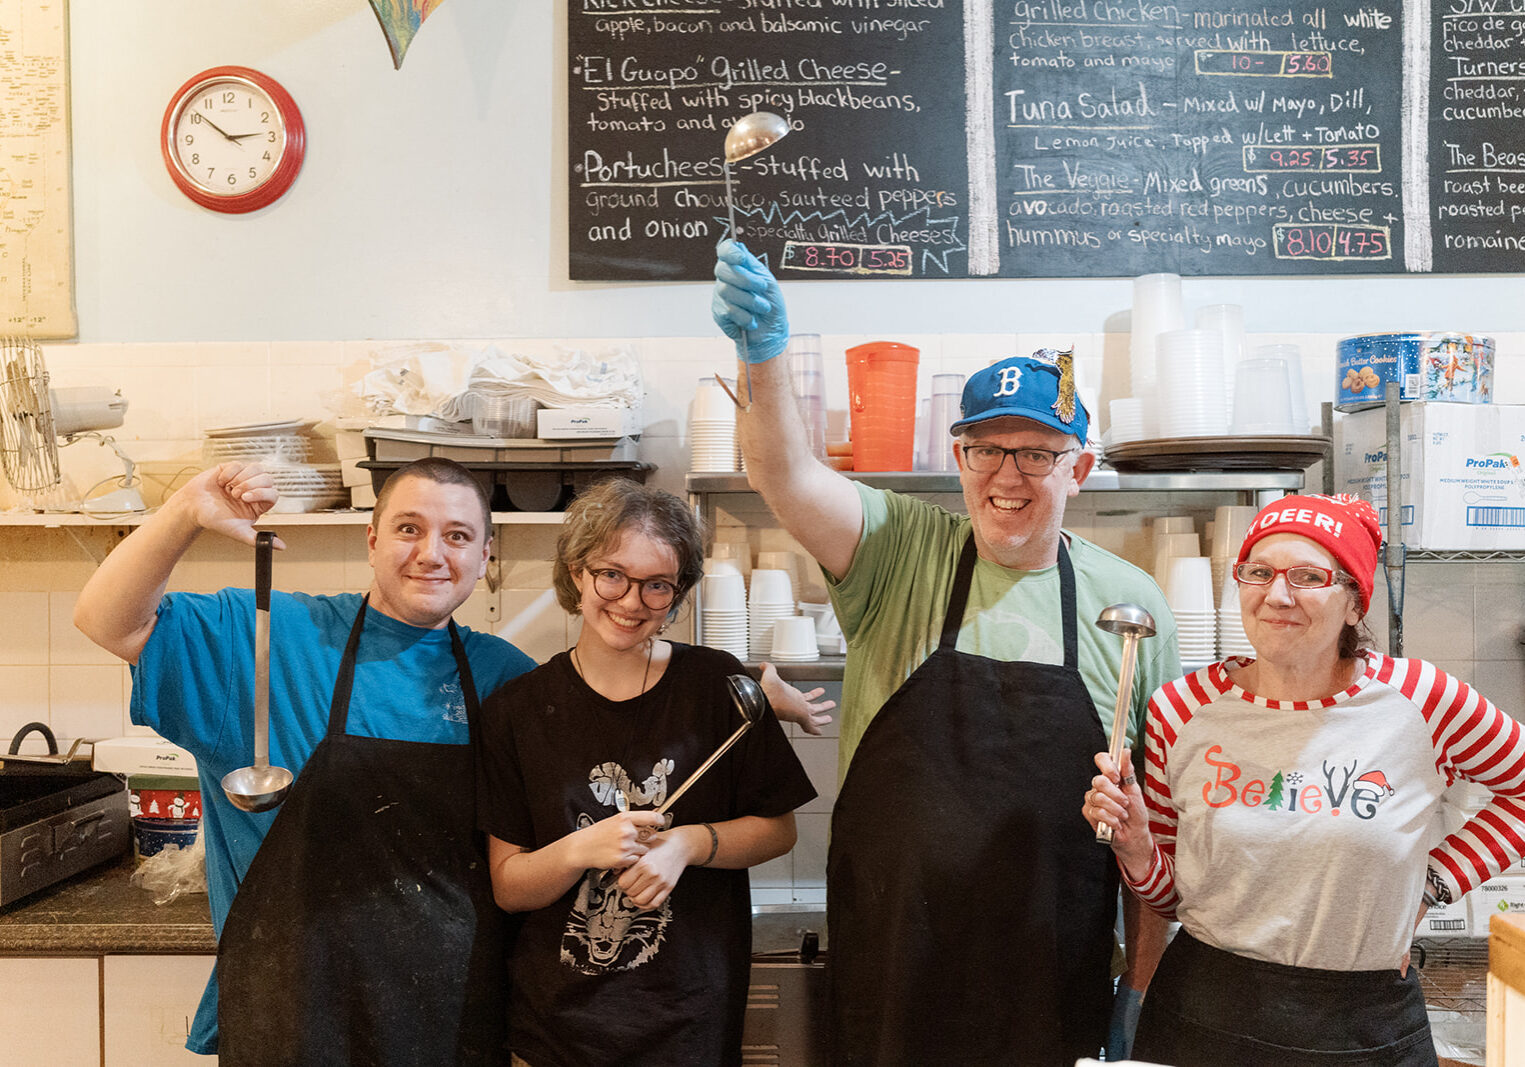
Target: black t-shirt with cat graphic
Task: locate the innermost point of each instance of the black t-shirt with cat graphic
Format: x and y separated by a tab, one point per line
596	980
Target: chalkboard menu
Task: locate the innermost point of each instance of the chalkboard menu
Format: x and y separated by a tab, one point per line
1049	138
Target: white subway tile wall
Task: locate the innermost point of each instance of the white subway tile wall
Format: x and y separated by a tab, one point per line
1467	617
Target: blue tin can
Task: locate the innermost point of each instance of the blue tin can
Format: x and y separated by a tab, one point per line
1443	366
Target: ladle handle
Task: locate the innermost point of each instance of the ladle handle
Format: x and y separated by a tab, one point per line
706	765
264	545
1120	716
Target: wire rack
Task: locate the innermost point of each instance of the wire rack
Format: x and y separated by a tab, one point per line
1453	972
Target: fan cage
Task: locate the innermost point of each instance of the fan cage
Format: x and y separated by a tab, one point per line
28	449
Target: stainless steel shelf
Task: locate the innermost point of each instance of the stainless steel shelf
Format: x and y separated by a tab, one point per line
1101	480
825	669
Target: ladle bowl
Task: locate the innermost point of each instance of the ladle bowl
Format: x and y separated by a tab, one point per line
257	788
752	134
1125	619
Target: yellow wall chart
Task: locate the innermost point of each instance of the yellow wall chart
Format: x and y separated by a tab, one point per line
36	254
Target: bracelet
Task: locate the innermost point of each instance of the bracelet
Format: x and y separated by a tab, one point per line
714	844
1435	890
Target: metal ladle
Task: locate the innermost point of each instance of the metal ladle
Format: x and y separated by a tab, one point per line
1131	622
260	787
747	136
751	704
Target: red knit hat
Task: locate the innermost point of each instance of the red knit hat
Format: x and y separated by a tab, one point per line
1346	525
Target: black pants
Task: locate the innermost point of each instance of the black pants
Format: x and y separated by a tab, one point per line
1207	1008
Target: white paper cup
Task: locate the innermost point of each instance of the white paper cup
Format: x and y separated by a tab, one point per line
771	587
794	638
1189	585
711	403
724	591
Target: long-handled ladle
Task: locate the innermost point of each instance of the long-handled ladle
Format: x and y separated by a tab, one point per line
751	704
1131	622
747	136
260	787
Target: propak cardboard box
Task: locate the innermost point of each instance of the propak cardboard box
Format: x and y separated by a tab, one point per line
1463	479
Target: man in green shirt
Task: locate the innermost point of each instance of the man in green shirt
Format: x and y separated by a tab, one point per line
970	907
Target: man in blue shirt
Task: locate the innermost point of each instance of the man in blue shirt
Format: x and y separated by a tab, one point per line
355	923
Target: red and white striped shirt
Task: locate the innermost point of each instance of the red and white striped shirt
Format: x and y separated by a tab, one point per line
1299	831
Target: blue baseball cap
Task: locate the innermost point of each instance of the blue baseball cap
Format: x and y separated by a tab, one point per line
1027	387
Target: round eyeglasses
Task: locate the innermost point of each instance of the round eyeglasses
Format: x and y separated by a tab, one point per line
1033	462
1303	576
610	584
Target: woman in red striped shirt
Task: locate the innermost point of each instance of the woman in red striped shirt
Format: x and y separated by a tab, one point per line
1289	815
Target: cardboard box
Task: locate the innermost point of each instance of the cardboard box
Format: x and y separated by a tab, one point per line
1463	479
1503	895
143	755
554	424
1450	920
1447	366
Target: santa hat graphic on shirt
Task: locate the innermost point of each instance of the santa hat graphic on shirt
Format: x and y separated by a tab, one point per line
1378	781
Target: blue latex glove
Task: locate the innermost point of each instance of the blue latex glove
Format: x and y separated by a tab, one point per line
1125	1009
747	299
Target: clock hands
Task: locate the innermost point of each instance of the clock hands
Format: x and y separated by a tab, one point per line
226	135
236	138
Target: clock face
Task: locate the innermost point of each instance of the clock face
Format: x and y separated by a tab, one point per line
233	139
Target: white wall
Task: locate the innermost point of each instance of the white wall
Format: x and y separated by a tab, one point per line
432	203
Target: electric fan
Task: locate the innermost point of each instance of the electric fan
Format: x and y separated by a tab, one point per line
34	418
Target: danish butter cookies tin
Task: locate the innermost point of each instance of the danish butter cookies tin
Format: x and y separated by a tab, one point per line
1442	365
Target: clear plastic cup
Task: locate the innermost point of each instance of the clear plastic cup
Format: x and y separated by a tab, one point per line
1262	397
1293	355
809	378
503	416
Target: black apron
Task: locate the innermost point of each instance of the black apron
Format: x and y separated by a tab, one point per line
1207	1007
365	931
970	908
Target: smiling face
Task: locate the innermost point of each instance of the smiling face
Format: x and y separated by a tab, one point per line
625	623
426	550
1296	628
1017	517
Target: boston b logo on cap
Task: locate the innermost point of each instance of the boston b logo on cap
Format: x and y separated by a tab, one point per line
1040	387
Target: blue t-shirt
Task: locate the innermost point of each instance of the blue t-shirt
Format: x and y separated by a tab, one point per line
194	685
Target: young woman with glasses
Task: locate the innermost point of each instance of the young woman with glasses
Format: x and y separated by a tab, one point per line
636	938
1289	815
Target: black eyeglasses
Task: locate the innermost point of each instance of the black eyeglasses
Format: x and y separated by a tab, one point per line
656	593
1304	576
1033	462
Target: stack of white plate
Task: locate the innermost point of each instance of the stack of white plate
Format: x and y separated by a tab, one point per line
770	598
1231	636
308	487
723	607
712	429
1189	591
281	442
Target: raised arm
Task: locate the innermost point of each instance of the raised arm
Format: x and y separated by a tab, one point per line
818	506
119	605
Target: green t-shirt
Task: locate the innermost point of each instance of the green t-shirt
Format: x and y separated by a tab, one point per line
892	601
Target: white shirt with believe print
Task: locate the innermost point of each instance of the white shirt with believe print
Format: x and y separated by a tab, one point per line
1299	832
